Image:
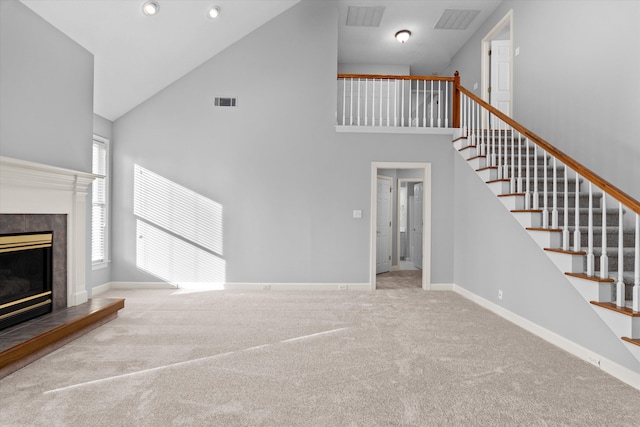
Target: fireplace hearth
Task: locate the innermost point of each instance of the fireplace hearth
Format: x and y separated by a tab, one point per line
25	276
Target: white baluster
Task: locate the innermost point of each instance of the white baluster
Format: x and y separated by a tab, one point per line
514	189
545	193
358	101
463	104
520	189
620	300
388	102
344	102
577	244
402	107
472	122
380	102
366	101
446	104
439	106
351	103
500	159
395	103
417	106
604	258
554	210
424	105
373	102
565	220
431	109
527	193
636	274
590	256
536	194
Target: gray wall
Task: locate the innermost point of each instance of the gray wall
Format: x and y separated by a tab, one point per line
576	79
288	183
46	91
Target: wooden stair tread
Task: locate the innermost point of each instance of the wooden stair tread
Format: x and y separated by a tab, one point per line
634	341
486	167
527	210
562	251
510	194
45	331
476	157
591	278
551	230
622	310
499	180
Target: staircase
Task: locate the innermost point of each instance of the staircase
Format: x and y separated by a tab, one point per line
576	224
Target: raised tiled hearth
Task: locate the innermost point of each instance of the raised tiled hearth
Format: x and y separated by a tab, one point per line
24	343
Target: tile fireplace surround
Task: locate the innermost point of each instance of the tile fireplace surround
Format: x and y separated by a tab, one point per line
34	188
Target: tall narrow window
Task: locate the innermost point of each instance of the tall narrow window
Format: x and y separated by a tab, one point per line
100	202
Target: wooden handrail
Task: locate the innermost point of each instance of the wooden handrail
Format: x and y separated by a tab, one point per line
392	77
598	181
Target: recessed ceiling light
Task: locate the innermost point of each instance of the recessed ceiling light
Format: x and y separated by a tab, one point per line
214	12
150	8
403	35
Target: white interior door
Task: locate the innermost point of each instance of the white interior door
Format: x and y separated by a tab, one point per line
500	84
383	226
417	224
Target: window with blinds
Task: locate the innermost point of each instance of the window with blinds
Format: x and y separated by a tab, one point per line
99	209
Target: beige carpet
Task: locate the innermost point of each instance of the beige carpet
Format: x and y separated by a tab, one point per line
384	358
402	279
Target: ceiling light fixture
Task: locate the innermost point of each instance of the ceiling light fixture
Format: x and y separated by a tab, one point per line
150	8
214	12
403	35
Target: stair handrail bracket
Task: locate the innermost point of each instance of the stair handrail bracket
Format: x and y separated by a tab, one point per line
595	220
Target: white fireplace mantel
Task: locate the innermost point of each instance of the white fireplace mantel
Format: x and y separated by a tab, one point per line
34	188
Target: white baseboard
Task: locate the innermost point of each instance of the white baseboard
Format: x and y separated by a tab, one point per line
612	368
441	287
239	286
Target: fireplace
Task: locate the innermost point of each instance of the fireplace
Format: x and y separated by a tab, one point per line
26	269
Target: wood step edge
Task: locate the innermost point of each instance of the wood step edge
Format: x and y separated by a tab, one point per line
486	167
466	147
498	180
562	251
476	157
40	342
634	341
590	278
511	194
526	210
459	138
551	230
622	310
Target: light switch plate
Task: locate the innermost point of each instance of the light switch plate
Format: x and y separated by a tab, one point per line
357	213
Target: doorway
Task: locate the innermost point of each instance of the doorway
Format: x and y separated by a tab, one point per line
497	67
415	178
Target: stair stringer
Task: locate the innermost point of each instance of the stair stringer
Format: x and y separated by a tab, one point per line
546	239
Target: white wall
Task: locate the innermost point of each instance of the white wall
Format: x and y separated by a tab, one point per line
46	91
288	183
576	79
380	69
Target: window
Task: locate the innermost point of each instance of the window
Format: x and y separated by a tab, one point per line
100	203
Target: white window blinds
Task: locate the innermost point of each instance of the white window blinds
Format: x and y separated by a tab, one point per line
99	202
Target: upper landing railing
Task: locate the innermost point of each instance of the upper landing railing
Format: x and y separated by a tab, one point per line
398	101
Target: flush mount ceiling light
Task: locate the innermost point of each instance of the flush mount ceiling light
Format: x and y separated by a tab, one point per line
150	8
403	35
214	12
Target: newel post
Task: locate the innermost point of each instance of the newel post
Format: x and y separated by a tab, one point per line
455	104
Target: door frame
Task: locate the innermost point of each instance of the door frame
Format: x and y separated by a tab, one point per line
507	20
426	218
390	243
400	181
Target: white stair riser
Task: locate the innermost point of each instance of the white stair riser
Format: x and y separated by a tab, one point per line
500	187
477	163
527	219
590	290
546	239
513	202
568	263
621	325
488	174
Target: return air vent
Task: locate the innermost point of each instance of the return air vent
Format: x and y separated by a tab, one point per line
364	16
456	19
225	102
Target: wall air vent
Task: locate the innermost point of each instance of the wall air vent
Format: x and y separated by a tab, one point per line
456	19
364	16
225	102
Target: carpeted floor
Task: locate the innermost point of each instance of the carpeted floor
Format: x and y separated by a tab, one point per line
401	279
384	358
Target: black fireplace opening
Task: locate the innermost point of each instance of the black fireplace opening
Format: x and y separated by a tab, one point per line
26	272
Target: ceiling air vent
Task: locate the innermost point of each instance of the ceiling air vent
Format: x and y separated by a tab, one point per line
456	19
364	16
225	102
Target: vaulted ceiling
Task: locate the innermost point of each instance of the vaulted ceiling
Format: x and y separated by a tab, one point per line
136	55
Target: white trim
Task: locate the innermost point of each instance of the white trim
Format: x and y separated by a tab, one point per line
396	130
484	52
107	232
442	286
34	188
391	182
426	218
233	286
612	368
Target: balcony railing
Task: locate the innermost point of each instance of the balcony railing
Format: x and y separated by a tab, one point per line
397	101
